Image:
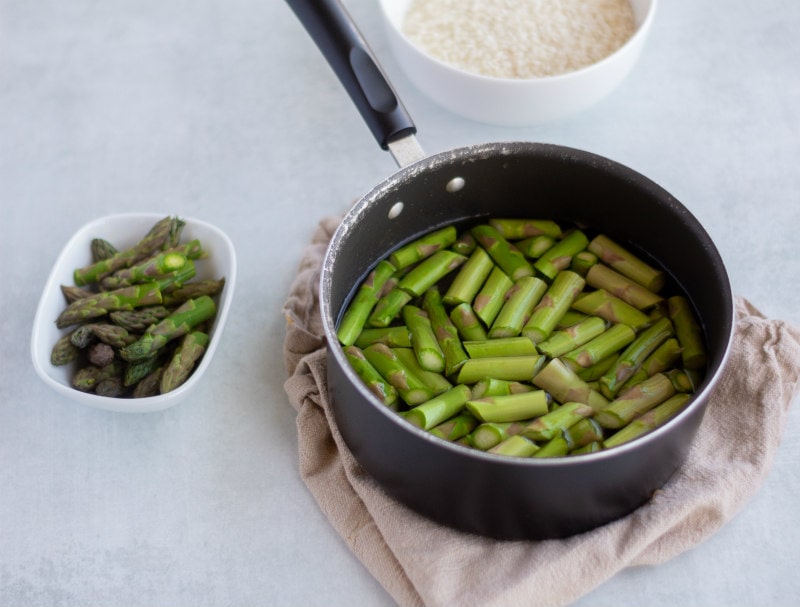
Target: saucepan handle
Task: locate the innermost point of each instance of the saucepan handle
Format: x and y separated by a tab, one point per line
333	30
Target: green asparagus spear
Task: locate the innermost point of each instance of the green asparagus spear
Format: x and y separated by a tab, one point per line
469	279
507	346
100	354
148	386
456	427
430	271
491	297
635	401
498	387
594	372
607	343
439	408
571	337
467	323
592	447
112	334
552	423
157	238
556	301
136	321
445	331
516	229
662	359
436	382
600	276
175	296
536	246
423	247
126	298
409	386
72	293
373	380
582	262
489	434
363	302
634	356
651	420
150	269
137	370
511	408
520	302
465	244
605	305
515	446
510	368
556	447
64	351
110	387
102	249
394	337
559	256
87	378
423	339
626	263
177	324
505	255
388	307
688	331
565	386
188	353
583	432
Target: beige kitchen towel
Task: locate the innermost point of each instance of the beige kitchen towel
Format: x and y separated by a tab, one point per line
422	563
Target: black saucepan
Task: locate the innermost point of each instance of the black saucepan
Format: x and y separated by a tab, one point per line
478	492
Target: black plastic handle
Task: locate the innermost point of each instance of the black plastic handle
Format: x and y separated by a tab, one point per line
331	27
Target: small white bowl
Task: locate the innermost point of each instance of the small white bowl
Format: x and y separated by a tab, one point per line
508	101
123	231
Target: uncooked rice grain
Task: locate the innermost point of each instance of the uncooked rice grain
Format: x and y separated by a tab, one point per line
519	38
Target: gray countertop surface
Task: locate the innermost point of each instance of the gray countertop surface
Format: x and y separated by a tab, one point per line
226	112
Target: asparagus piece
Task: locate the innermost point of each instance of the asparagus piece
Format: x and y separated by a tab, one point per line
72	293
83	336
465	244
190	350
507	346
520	302
516	229
594	372
430	271
64	351
605	305
507	257
498	387
570	318
509	368
592	447
423	340
582	262
456	427
565	386
663	358
439	408
149	385
388	307
408	385
100	354
571	337
491	297
688	332
559	256
556	301
601	276
470	278
634	356
102	249
191	290
176	279
651	420
515	446
423	247
626	263
364	301
445	331
137	370
536	246
511	408
177	324
489	434
139	319
559	419
467	323
394	337
151	269
112	334
681	380
637	400
110	387
87	378
555	447
607	343
372	379
583	432
126	298
157	238
437	382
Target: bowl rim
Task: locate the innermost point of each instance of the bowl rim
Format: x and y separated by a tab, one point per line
41	359
642	30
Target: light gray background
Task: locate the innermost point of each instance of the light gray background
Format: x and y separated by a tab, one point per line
225	111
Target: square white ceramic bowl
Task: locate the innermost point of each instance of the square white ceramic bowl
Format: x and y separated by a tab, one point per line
124	230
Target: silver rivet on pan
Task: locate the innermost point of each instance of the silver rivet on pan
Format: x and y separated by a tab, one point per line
455	184
396	209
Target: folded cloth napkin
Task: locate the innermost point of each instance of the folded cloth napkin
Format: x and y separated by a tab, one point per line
422	563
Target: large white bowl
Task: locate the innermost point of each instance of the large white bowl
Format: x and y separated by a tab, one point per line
124	230
514	102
